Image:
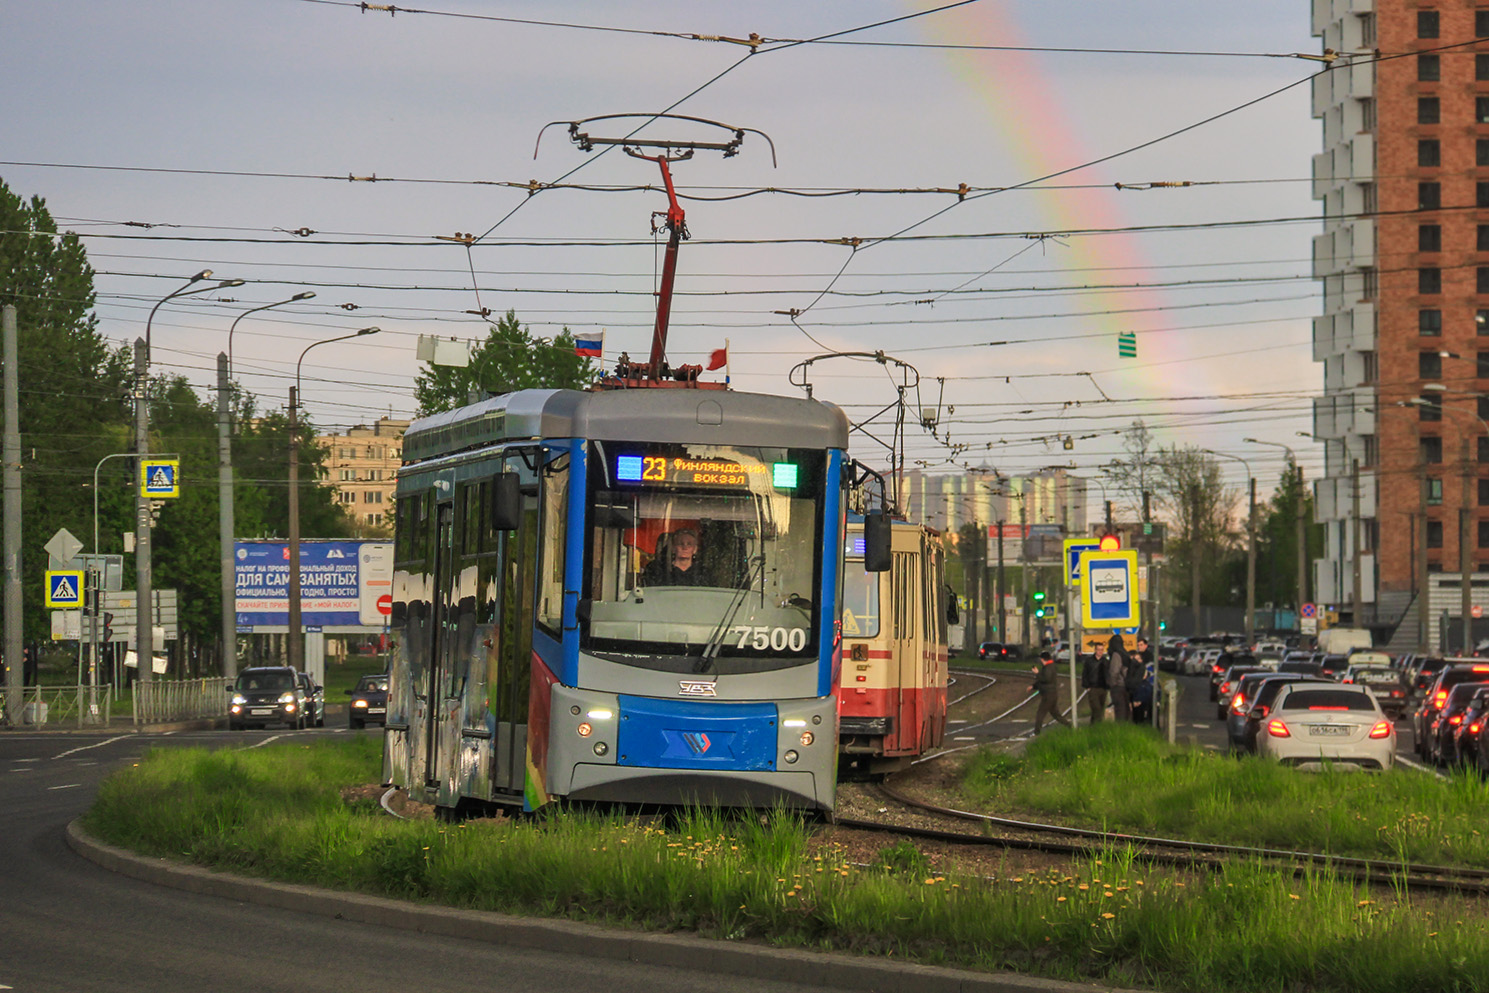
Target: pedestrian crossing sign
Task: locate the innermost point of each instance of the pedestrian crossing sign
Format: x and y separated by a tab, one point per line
64	589
160	479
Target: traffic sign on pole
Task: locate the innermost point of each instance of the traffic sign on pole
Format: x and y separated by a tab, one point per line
64	589
1074	547
1109	597
160	479
1308	610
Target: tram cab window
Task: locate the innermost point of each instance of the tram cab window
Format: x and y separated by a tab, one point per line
860	601
703	549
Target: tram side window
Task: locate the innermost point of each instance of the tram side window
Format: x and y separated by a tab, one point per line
555	530
411	546
860	601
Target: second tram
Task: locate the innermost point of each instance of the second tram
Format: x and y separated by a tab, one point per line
627	596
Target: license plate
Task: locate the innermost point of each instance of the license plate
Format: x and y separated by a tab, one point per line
261	711
377	710
1335	730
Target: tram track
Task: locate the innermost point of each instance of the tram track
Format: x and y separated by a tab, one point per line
1073	842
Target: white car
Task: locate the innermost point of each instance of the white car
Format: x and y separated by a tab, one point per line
1310	724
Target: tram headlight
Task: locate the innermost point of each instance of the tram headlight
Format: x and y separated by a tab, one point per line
601	748
807	738
586	729
791	756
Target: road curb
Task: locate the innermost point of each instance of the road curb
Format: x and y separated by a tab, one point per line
836	971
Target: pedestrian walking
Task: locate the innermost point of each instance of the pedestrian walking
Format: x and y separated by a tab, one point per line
1047	685
1094	680
1116	678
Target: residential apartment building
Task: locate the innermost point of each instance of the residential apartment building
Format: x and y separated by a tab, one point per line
947	501
1404	333
362	467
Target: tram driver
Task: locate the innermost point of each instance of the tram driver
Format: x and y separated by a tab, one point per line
676	562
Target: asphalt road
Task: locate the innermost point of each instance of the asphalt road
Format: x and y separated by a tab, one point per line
67	925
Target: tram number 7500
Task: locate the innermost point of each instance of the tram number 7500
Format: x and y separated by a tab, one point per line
774	639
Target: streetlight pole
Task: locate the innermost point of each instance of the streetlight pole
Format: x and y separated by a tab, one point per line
1301	539
296	644
144	651
225	522
1250	543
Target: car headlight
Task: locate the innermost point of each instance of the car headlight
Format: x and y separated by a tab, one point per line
359	703
239	699
286	698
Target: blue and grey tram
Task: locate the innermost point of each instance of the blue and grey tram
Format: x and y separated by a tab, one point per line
625	596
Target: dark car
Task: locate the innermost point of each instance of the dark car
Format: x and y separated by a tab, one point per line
998	651
1440	733
1422	672
369	704
1468	735
1453	672
1228	683
1333	666
1238	706
1301	667
267	695
1223	665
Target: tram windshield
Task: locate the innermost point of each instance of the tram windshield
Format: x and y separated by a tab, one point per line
705	551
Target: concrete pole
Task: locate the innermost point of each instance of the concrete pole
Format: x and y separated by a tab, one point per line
1424	595
144	651
1302	545
1002	589
295	644
225	520
11	454
1465	556
1251	565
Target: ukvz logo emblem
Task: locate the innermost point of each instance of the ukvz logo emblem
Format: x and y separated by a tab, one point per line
691	687
697	741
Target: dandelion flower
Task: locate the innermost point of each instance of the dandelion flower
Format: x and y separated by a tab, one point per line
1107	893
1061	899
1364	903
1293	896
1107	916
1083	887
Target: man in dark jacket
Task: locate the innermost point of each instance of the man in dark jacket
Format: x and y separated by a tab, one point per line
1047	685
1140	683
1116	678
1093	679
676	564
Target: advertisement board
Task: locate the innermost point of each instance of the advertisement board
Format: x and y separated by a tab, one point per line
340	582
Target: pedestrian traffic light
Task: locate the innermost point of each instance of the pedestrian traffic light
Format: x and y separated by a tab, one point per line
108	627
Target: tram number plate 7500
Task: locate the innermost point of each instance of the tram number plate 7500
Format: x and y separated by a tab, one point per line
773	639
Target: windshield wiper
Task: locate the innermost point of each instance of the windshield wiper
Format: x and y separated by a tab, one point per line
708	658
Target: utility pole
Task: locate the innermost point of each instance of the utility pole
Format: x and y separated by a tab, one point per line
1148	571
1354	514
225	526
1424	590
295	644
1194	553
144	650
1302	542
1251	565
1002	589
1465	559
11	454
1024	641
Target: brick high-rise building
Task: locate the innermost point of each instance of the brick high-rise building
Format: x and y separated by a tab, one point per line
1404	337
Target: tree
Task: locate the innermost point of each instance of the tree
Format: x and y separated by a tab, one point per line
1196	500
73	404
1137	475
1277	539
509	359
261	461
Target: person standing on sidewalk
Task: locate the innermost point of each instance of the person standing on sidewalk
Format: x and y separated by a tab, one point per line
1116	678
1093	679
1047	685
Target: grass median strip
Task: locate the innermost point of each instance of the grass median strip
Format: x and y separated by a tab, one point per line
1124	778
278	812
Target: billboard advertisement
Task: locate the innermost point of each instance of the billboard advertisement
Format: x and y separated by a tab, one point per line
342	583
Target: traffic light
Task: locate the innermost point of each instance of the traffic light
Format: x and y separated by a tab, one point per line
1039	608
108	627
1111	543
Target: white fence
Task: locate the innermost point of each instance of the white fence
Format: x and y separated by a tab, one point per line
82	705
180	699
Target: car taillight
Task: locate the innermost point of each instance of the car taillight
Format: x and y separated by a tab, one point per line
1439	698
1238	704
1456	719
1473	729
1277	729
1382	729
1224	688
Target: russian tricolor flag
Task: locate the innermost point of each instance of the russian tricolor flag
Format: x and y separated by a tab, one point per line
590	346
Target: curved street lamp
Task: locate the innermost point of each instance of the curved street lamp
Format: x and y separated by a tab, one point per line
296	654
225	517
144	616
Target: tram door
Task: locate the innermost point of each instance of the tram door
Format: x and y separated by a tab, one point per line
441	710
512	661
907	648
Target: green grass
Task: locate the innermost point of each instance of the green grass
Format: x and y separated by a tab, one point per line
1125	778
277	812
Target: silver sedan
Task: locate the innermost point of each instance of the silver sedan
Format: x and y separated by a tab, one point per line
1310	725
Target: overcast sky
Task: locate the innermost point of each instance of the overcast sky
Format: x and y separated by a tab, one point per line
180	136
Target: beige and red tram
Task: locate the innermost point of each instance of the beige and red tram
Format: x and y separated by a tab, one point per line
892	696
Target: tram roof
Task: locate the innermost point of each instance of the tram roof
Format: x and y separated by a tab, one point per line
680	415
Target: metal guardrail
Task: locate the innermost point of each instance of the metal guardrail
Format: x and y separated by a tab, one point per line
83	705
180	699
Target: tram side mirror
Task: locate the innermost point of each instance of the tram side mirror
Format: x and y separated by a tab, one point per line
506	502
875	542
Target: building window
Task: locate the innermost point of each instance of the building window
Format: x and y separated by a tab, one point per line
374	518
1369	282
1484	498
1481	110
1481	67
1434	534
1429	110
1481	279
1427	24
1429	365
1481	321
1429	196
1428	409
1429	152
1481	242
1429	68
1481	23
1429	280
1484	407
1429	323
1483	449
1432	449
347	475
1429	237
345	497
1482	365
1434	492
1367	30
1372	450
1370	367
1483	534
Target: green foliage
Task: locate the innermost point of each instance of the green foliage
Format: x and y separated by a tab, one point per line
510	358
276	812
1126	778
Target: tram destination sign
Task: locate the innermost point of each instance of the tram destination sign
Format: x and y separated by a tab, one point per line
662	470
